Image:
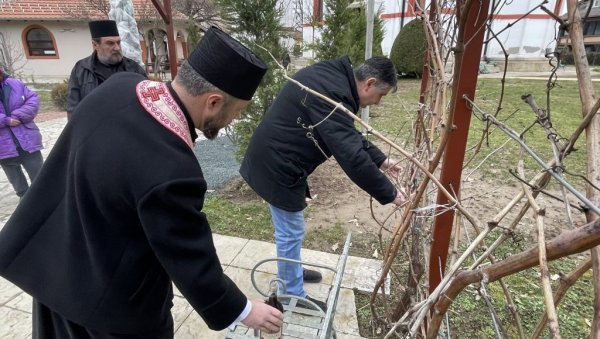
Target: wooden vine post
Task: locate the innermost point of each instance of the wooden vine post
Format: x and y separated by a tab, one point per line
592	131
472	17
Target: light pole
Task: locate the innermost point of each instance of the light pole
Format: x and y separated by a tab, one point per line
368	43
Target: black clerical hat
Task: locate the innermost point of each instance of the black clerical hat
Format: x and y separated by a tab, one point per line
102	28
227	64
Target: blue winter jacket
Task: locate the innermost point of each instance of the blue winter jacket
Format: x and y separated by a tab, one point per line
18	102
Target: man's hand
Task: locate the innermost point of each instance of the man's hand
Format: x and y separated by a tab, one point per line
391	167
401	197
13	122
264	317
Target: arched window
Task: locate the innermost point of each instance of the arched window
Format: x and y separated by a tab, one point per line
39	43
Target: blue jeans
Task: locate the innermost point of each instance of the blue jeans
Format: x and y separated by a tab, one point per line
289	233
32	162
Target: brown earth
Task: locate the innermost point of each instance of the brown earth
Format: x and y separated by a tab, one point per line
338	201
44	116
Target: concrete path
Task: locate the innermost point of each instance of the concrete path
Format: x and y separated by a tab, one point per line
237	256
566	73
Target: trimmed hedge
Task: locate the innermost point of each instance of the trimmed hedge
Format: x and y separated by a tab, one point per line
409	49
593	58
59	95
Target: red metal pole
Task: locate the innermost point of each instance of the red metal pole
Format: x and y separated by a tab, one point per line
465	83
171	40
317	10
165	12
558	7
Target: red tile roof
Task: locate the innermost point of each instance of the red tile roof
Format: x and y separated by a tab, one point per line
66	10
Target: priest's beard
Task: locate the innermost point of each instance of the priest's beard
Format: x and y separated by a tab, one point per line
212	126
112	59
211	133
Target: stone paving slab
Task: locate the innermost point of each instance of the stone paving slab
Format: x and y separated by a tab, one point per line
15	305
228	248
8	291
15	324
363	273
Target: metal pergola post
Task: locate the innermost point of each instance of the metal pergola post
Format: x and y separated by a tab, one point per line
368	50
165	12
467	59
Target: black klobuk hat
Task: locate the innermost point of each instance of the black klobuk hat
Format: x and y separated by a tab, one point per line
102	28
227	64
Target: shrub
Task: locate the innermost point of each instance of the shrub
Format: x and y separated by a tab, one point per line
345	33
408	49
568	59
59	95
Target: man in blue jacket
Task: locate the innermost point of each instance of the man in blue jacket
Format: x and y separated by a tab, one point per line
281	154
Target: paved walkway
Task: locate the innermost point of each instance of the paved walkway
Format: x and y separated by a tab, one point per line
567	73
237	256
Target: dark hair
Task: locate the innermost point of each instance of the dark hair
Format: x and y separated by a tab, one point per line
380	68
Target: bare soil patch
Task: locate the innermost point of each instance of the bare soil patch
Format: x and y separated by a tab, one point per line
45	116
338	202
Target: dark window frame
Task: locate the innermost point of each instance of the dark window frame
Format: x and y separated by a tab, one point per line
41	48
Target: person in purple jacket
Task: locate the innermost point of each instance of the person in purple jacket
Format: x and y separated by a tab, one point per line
20	138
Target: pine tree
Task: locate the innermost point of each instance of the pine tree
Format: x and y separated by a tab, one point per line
337	19
356	35
193	34
256	23
344	33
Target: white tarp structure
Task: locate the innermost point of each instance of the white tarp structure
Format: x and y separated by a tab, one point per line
121	11
530	37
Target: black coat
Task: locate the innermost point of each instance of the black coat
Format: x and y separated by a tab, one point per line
101	244
84	80
280	156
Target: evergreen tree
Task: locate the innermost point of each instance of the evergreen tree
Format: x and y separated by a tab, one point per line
193	35
408	51
356	35
337	19
256	23
345	33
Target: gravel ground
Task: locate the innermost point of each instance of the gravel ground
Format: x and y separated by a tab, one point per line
217	161
215	156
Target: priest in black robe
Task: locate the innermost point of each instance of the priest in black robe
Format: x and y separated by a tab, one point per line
106	60
115	214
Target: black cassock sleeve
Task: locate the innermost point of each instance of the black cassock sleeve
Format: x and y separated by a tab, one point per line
181	239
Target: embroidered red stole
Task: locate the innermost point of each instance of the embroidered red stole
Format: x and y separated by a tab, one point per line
158	102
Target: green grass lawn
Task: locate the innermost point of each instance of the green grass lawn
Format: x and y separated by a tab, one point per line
249	221
472	318
469	317
394	117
